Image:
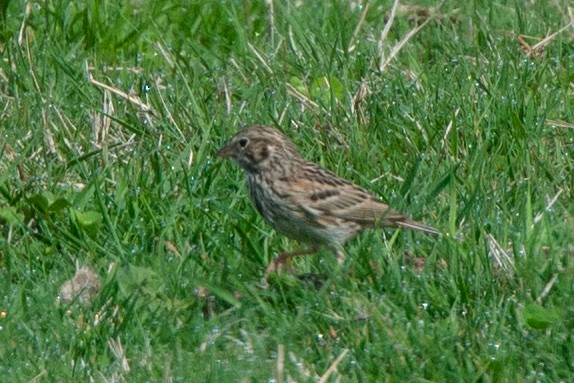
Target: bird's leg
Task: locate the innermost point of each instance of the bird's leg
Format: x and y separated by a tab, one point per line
283	261
340	254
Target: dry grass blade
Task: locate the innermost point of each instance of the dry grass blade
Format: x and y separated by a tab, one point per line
389	24
117	349
356	106
545	41
547	288
39	377
358	27
224	88
422	17
333	367
448	129
166	108
300	363
271	19
239	69
549	204
24	23
133	99
102	121
167	56
11	156
260	58
537	49
385	61
306	101
527	49
280	363
500	257
560	124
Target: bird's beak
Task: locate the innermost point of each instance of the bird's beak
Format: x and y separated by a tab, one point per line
225	152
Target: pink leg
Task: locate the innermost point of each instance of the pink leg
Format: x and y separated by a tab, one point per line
284	260
340	254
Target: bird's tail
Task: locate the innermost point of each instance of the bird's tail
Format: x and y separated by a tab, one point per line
414	225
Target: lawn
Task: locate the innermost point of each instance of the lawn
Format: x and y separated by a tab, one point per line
460	114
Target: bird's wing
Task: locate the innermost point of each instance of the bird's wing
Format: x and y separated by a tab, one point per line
321	194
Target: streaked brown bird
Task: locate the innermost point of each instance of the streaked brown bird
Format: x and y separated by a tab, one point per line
303	201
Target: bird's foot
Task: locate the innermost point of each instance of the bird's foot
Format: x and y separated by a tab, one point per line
283	262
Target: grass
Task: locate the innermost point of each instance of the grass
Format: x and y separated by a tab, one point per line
112	112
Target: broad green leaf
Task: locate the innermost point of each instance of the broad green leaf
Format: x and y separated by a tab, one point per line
540	318
133	278
322	88
40	202
88	218
59	204
10	215
298	84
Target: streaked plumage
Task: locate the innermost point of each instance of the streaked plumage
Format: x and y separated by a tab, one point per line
302	200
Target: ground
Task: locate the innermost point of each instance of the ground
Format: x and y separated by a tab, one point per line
458	113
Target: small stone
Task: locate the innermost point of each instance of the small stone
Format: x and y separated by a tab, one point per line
84	287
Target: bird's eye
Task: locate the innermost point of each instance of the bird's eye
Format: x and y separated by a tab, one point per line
243	142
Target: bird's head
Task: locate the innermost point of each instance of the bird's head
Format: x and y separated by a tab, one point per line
257	148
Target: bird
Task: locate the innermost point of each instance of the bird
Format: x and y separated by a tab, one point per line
303	201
